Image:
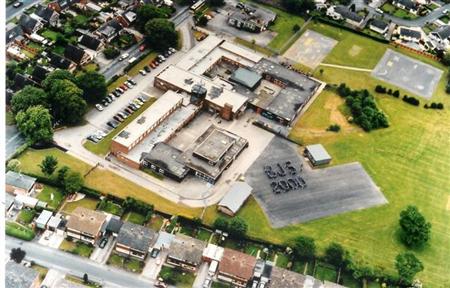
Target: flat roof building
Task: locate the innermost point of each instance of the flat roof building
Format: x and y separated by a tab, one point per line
246	77
212	153
43	219
235	198
317	154
18	183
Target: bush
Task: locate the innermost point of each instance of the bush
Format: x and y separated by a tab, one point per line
111	53
411	100
380	89
434	105
396	94
334	128
131	204
389	91
296	28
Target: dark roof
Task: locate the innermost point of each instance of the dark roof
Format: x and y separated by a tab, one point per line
136	236
45	12
410	33
164	156
443	32
380	24
246	77
346	13
21	81
114	225
12	33
28	24
74	53
90	42
59	61
407	3
39	73
66	3
19	180
19	276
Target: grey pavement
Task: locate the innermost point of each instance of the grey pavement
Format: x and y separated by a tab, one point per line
200	278
329	191
75	265
13	140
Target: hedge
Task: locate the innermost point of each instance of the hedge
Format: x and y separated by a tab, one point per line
16	230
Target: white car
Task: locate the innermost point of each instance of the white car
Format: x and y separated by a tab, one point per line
143	73
445	11
124	56
99	107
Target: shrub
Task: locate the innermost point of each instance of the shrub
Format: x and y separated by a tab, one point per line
380	89
334	128
411	100
396	94
296	28
389	91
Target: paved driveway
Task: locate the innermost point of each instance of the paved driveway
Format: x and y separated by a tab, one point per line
51	239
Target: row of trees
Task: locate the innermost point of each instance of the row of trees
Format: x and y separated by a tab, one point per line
299	7
409	99
363	107
236	226
71	181
62	99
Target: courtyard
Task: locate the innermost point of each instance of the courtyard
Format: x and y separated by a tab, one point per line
410	74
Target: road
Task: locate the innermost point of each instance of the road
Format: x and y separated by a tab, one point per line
75	265
116	66
11	12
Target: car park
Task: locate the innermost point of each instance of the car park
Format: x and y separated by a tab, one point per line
112	124
126	113
117	118
128	110
147	69
142	72
105	103
101	133
137	101
156	62
99	107
132	81
115	94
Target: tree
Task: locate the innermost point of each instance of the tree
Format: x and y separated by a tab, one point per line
407	266
298	6
67	102
27	97
35	124
221	223
17	255
237	228
216	3
446	59
62	172
161	34
202	20
57	75
48	165
73	181
85	278
93	85
296	28
415	229
13	165
148	12
304	248
335	254
111	52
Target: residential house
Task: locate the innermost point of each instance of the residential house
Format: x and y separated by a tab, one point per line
39	73
408	5
77	55
409	35
60	5
90	42
113	226
234	198
60	62
85	225
12	32
135	240
186	252
236	268
19	184
442	36
343	13
14	52
21	81
29	24
109	30
91	6
379	26
48	15
19	276
282	278
124	4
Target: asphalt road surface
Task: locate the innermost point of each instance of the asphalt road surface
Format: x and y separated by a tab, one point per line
12	12
75	265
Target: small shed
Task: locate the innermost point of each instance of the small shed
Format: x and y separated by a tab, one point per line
43	219
54	222
235	198
25	201
317	154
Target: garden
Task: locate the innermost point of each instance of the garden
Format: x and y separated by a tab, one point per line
128	264
177	277
52	196
19	231
78	248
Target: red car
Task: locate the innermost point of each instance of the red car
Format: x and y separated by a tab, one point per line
124	87
142	47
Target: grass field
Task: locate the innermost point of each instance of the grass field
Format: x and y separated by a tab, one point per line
397	12
135	218
102	147
88	203
53	196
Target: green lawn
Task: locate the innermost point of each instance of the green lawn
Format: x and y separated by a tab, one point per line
156	222
203	235
129	264
78	248
50	34
135	218
26	216
220	285
19	231
176	277
397	12
140	65
282	260
112	208
52	195
325	273
445	19
86	202
102	147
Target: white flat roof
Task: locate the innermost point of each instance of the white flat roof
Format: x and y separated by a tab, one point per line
185	80
44	217
199	52
241	51
133	131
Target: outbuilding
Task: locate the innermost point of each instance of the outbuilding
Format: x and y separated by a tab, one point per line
317	154
43	219
235	198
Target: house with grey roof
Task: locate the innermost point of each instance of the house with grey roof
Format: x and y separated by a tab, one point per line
408	5
19	276
186	252
235	198
344	13
379	26
91	42
19	184
135	240
409	35
29	24
442	36
77	55
317	154
48	15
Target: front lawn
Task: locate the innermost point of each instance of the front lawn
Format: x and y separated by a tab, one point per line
177	277
19	231
50	34
86	202
103	147
397	12
128	264
78	248
52	195
26	216
135	218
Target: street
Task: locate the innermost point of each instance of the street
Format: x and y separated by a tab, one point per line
12	12
75	265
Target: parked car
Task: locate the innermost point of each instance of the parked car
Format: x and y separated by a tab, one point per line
123	115
147	69
142	99
124	56
129	85
154	253
17	4
142	72
93	139
133	107
142	47
206	283
120	90
173	50
132	81
105	102
118	118
123	87
101	133
166	55
103	242
129	110
137	101
137	105
99	107
156	62
109	99
112	124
